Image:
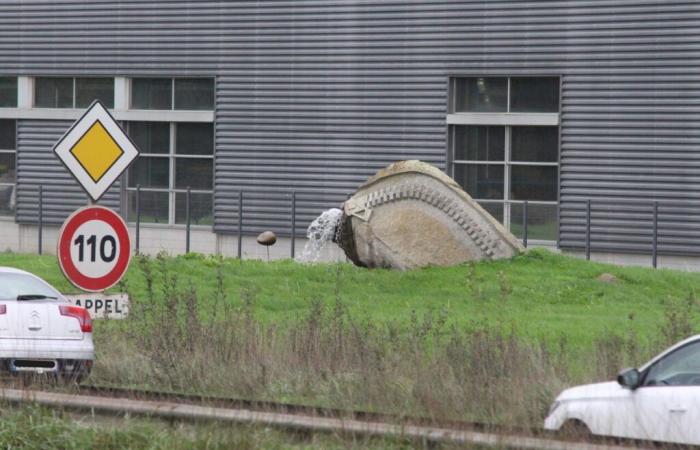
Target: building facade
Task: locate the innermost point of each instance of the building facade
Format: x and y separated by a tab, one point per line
552	102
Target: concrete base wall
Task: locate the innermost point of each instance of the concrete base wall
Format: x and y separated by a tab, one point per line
169	239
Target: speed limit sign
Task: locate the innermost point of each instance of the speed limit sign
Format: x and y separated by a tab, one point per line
94	248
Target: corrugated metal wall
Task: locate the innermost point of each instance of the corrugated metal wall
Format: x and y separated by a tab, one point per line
317	95
36	164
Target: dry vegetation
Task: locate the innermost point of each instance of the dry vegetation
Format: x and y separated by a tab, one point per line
431	367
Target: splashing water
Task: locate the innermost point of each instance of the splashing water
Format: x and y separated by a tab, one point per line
320	234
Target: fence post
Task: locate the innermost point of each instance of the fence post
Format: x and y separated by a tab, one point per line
138	217
41	217
294	221
187	218
588	229
655	238
240	224
525	224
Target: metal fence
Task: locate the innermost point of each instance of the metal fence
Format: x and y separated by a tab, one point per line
292	224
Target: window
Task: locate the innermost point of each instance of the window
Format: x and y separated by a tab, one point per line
172	93
53	92
8	92
174	156
511	154
679	368
7	167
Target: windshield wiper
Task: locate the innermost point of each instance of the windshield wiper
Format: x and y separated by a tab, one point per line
35	297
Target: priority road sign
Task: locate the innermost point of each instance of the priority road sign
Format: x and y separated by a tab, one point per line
94	248
96	151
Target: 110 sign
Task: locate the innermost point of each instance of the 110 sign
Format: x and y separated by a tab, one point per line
107	242
94	248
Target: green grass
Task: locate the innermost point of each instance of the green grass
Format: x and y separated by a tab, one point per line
543	295
37	428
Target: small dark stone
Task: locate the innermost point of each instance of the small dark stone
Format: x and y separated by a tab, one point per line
267	238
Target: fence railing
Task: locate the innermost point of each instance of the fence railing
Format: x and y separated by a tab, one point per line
293	198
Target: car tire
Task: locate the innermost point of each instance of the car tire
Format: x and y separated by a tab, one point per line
575	429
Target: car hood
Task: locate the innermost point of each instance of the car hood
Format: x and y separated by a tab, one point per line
609	389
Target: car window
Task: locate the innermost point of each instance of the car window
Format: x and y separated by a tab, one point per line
679	368
14	284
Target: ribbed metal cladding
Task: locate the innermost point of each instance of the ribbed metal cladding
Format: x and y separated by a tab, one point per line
317	95
37	165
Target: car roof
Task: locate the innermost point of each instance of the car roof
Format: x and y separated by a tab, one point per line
12	270
672	348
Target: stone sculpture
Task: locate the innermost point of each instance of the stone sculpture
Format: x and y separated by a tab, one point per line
411	214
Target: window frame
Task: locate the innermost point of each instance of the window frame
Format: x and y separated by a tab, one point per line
74	94
172	190
507	120
8	151
130	102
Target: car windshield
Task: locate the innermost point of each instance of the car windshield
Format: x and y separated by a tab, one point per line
26	287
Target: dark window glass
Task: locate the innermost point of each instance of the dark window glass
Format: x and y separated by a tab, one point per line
534	94
150	137
194	93
194	139
535	144
193	172
495	209
480	143
7	168
481	181
53	92
679	368
88	90
7	134
151	93
154	206
150	172
7	200
533	183
541	221
481	95
200	209
8	92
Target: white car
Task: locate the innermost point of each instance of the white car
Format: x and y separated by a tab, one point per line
40	331
660	401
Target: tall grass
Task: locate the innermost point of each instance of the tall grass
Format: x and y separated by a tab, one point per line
431	367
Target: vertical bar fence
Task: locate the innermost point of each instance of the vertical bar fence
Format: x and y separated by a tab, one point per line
41	218
240	224
655	236
525	224
187	219
138	218
294	223
588	230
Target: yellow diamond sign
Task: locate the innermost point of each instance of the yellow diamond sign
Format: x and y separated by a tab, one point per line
96	151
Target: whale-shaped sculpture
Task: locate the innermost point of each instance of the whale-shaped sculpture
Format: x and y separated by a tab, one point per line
411	214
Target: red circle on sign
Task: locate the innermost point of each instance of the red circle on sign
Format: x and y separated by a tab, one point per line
65	238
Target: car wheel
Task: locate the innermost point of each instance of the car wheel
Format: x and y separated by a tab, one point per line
575	429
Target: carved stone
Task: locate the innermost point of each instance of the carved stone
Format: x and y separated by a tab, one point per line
411	214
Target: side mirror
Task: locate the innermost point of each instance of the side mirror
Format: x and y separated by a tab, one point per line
629	378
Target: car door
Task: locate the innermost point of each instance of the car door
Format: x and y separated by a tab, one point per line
667	404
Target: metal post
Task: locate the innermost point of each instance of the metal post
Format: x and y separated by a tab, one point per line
41	217
588	229
655	238
525	224
240	224
187	215
294	220
138	217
